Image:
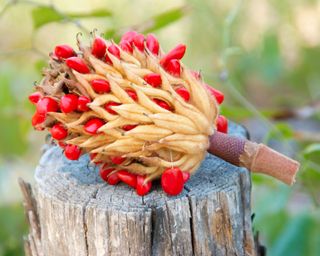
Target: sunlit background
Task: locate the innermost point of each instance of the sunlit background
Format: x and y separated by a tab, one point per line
264	55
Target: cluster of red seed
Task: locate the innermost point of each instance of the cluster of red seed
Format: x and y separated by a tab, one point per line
172	179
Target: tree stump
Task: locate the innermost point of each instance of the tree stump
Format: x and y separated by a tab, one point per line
71	211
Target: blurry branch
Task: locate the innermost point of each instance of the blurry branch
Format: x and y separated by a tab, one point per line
302	112
52	7
228	50
6	7
153	23
306	136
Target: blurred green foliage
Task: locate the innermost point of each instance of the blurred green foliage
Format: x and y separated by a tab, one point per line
263	54
13	226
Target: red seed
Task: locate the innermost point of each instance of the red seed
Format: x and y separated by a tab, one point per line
77	64
108	60
64	51
185	176
58	132
38	118
117	159
108	106
128	36
152	44
172	181
129	127
153	79
138	41
114	50
126	46
93	156
72	152
162	104
173	67
100	85
133	95
142	187
93	125
35	97
105	172
183	92
69	103
62	144
219	96
176	53
128	178
222	124
82	104
47	104
98	47
113	179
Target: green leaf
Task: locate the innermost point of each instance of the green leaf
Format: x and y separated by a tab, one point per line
294	240
311	149
46	14
163	19
112	33
40	64
282	131
99	13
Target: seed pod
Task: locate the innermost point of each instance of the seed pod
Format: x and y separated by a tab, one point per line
173	67
64	51
143	187
183	92
117	159
172	181
153	79
77	64
126	46
114	50
222	124
128	36
38	118
127	178
35	97
98	47
152	44
72	152
100	85
93	125
47	104
58	132
176	53
219	96
69	103
138	41
83	101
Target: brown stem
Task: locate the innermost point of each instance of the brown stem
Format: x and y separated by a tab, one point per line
255	157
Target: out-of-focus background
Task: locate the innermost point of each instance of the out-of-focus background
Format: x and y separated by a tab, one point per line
263	54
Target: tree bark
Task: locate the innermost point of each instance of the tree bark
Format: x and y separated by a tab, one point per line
72	212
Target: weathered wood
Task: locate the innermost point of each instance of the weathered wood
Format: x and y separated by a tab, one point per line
74	213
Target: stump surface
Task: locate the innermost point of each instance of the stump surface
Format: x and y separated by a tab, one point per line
71	211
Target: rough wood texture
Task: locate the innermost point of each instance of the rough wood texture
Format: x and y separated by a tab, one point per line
72	212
